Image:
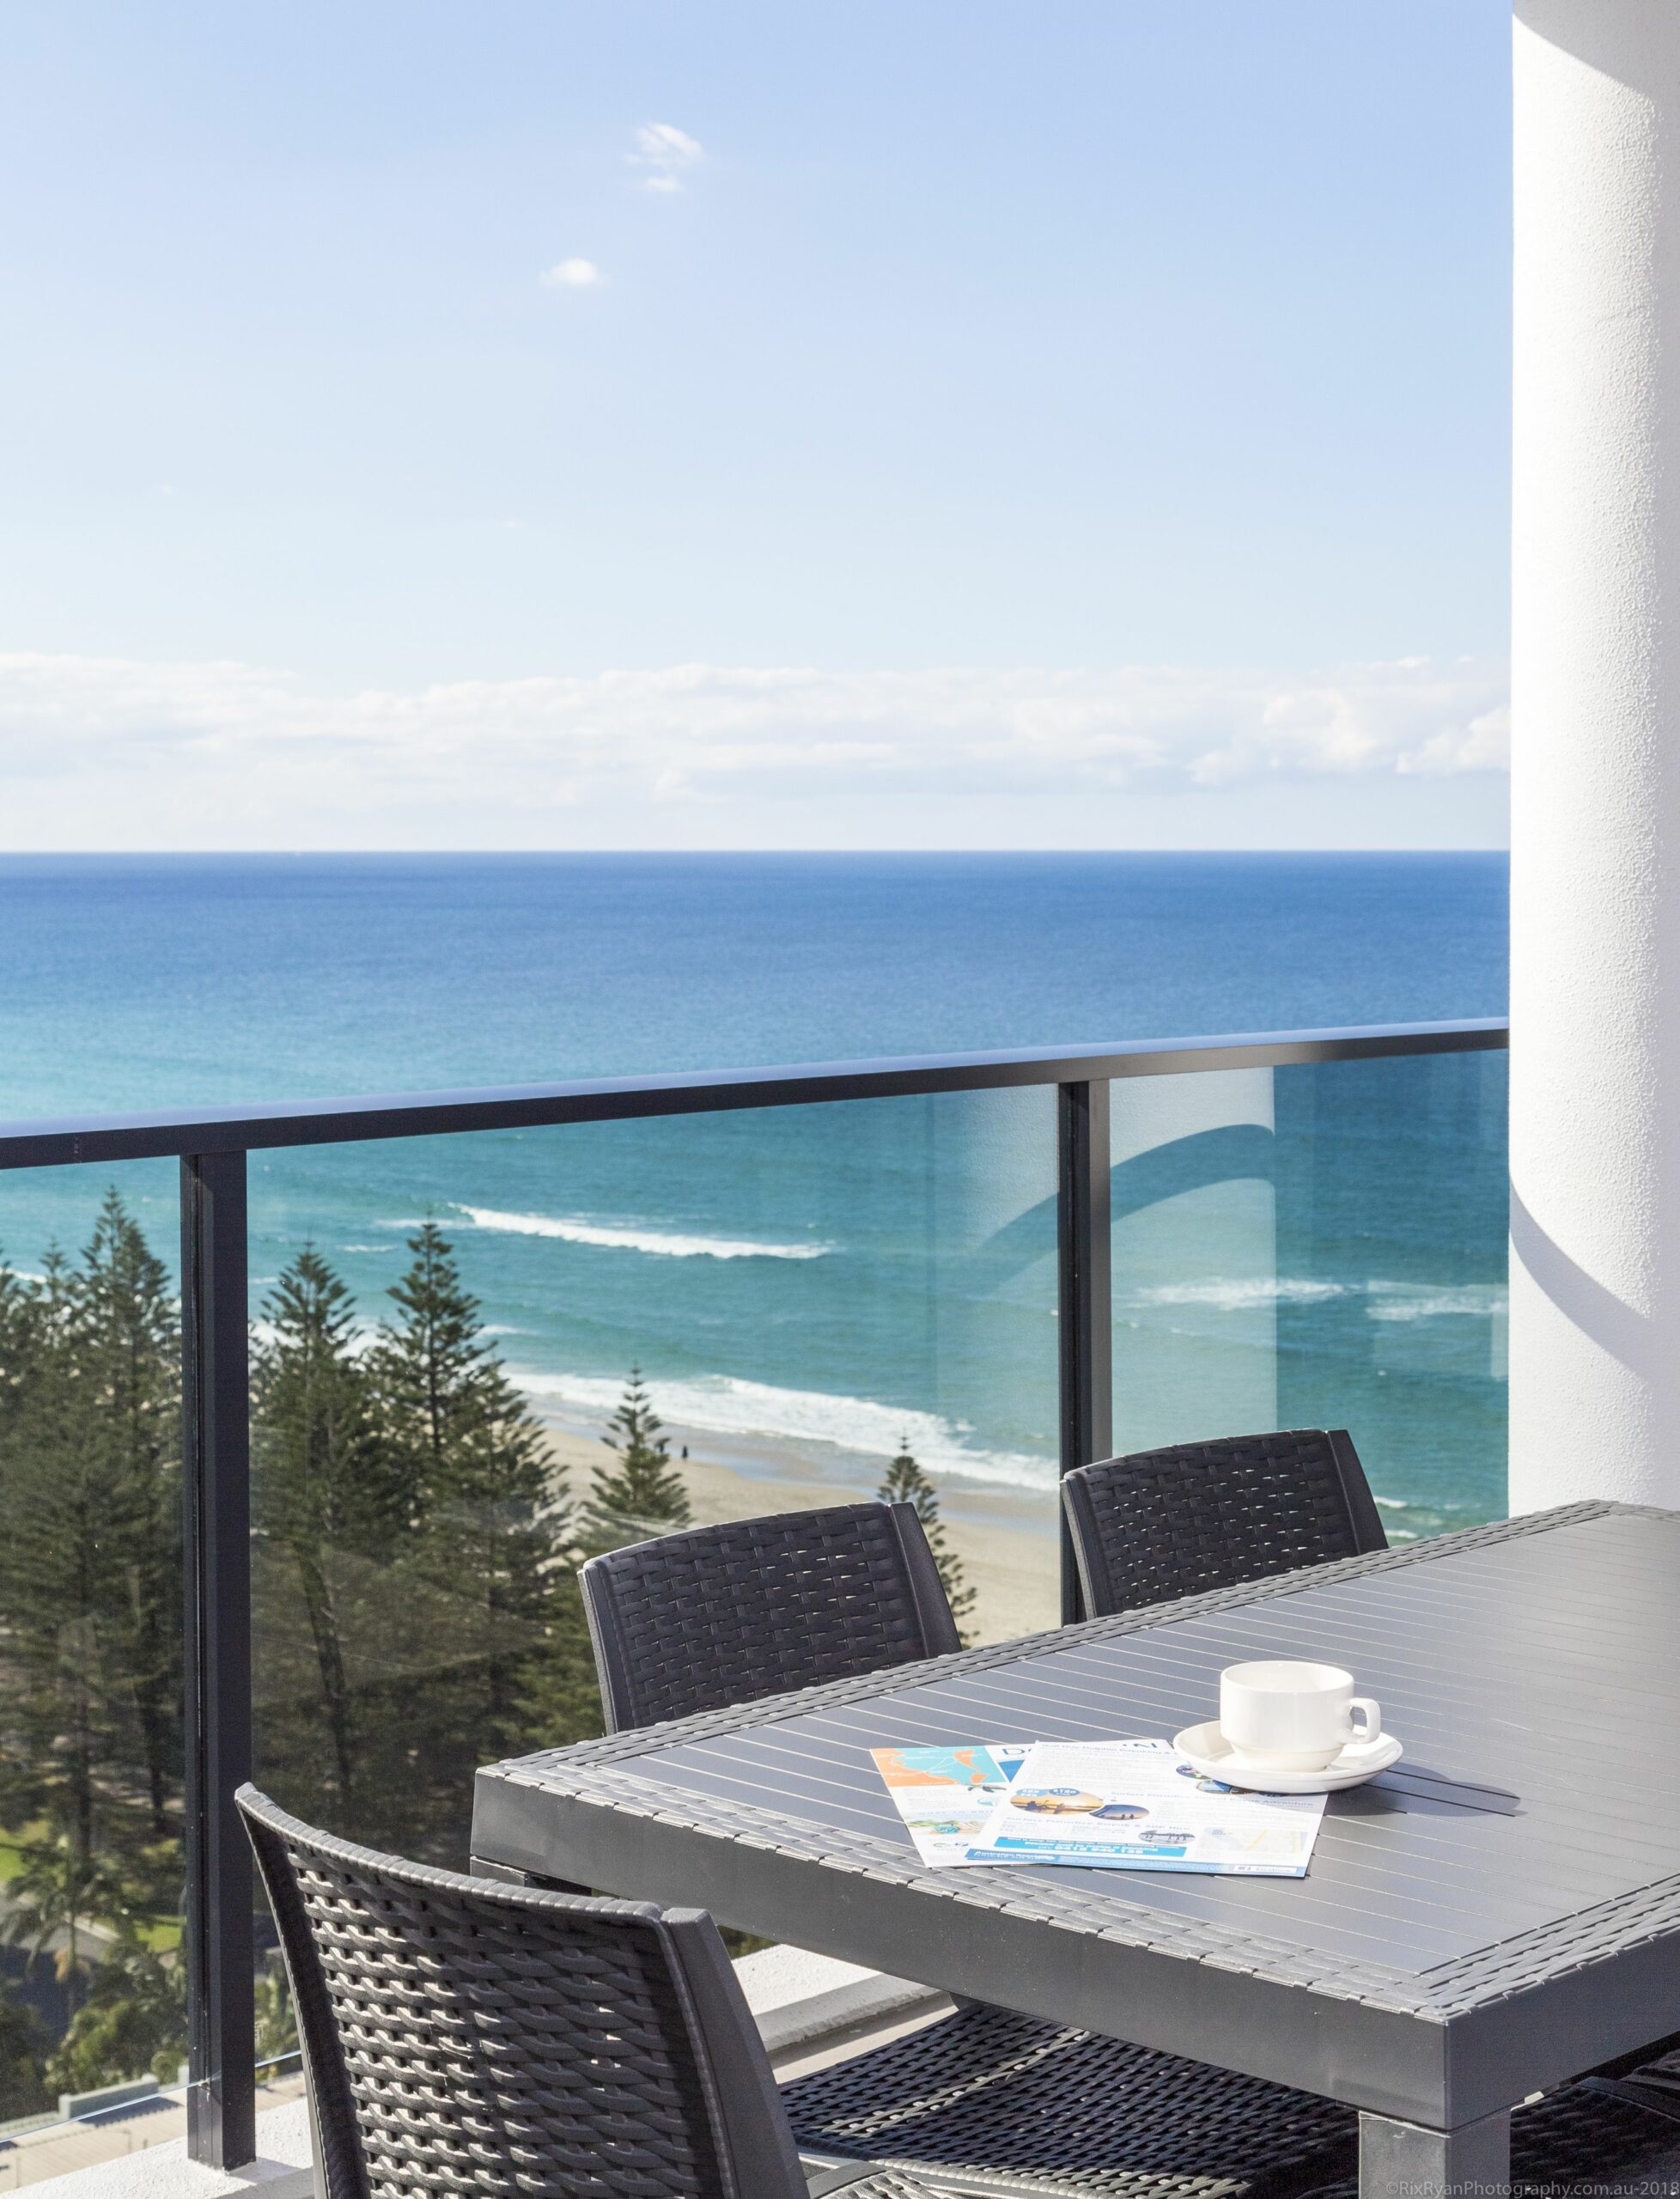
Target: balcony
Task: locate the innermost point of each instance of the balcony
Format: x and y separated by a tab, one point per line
1010	1264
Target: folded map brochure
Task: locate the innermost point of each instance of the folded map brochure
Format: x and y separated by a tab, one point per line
1119	1806
947	1795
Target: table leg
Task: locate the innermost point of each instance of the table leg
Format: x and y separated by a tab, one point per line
1403	2160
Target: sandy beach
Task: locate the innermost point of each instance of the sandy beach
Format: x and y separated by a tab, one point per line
1005	1538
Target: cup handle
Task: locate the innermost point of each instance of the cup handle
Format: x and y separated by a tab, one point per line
1366	1715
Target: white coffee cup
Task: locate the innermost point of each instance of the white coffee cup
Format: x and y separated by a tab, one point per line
1295	1717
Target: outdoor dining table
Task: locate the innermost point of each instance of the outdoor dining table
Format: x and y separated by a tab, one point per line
1499	1912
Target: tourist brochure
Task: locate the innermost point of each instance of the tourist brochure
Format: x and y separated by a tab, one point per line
945	1795
1136	1805
1127	1806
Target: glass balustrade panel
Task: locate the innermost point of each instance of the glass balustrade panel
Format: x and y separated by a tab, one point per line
1320	1246
766	1311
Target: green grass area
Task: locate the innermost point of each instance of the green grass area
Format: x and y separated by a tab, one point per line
162	1935
14	1846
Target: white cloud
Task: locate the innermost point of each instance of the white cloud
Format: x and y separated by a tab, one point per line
570	275
227	754
667	153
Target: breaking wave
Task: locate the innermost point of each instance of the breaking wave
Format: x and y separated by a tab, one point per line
1384	1301
667	1244
1409	1302
1233	1296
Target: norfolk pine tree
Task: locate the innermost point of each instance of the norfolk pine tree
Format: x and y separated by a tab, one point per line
321	1488
906	1483
80	1515
643	1494
89	1586
130	1376
489	1510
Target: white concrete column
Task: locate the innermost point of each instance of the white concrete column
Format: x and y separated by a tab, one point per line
1595	1005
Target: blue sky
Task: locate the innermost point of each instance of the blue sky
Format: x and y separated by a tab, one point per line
987	424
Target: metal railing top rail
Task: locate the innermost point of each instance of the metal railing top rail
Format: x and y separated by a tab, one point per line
250	1128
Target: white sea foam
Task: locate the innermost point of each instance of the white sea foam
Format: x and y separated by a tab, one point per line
721	1405
668	1243
1409	1302
1233	1296
1385	1301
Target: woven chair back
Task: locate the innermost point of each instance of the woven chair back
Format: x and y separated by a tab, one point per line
1196	1516
724	1615
467	2037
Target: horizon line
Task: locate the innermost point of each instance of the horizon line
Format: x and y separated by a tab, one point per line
295	855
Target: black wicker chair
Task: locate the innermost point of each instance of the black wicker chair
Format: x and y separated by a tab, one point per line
463	2036
466	2037
1164	1524
720	1615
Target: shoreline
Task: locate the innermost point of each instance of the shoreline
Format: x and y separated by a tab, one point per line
1008	1539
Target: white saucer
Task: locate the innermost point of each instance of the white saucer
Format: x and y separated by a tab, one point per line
1206	1750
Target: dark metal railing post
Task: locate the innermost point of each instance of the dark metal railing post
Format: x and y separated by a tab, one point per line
221	2105
1085	1322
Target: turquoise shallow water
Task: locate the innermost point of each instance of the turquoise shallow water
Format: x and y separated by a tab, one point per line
1322	1245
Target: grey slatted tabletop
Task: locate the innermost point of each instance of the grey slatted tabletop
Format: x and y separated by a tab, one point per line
1499	1912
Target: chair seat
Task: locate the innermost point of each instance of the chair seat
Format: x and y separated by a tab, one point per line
1577	2136
990	2101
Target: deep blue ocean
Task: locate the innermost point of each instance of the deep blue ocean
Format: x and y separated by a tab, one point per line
1319	1246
